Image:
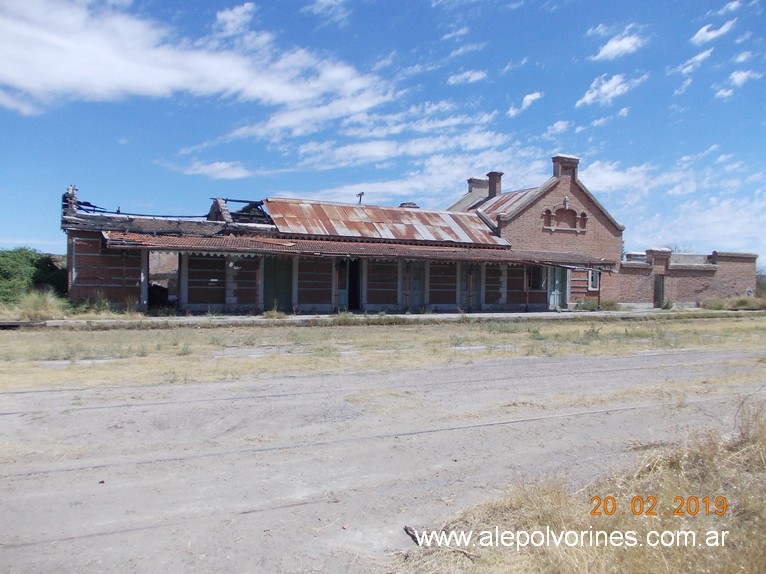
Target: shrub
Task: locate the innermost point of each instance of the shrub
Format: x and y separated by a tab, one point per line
587	304
40	305
745	303
97	302
610	305
344	318
274	314
713	304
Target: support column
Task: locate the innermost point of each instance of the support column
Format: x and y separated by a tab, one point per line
482	285
295	282
335	296
230	284
183	280
458	278
526	288
503	283
143	304
407	286
259	284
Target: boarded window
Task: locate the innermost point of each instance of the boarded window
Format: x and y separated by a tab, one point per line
382	282
315	281
442	284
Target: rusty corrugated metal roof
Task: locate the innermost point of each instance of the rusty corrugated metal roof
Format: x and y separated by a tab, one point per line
303	217
506	202
253	245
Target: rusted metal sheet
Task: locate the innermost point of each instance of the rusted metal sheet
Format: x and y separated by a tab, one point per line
506	202
254	246
373	222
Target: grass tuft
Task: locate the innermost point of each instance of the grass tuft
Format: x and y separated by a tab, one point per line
680	478
41	305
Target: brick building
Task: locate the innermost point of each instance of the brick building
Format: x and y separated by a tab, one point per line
548	247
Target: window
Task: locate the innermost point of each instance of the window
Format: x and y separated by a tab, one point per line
536	275
594	280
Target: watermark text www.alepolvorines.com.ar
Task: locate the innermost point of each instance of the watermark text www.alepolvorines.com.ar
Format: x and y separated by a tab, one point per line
520	539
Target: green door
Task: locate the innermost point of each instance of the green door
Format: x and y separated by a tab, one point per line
659	290
278	284
470	287
557	288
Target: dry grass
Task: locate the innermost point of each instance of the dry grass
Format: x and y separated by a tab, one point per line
709	465
35	358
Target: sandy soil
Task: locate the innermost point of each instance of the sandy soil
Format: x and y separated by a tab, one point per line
320	473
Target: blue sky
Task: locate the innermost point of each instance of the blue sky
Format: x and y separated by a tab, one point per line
154	106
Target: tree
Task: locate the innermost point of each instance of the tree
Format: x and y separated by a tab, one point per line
679	247
23	269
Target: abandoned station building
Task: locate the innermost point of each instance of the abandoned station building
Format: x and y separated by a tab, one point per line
544	248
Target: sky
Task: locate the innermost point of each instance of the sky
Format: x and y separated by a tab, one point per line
156	106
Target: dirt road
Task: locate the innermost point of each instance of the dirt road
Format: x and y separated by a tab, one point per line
320	473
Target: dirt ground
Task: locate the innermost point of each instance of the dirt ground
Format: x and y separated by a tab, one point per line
319	473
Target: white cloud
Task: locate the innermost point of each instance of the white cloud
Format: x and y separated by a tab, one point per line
683	87
603	90
515	65
693	63
218	170
707	33
742	57
620	45
687	160
330	155
427	118
739	77
732	6
607	177
557	128
468	77
707	221
600	30
18	104
724	93
467	49
527	101
438	179
235	20
456	33
55	50
335	11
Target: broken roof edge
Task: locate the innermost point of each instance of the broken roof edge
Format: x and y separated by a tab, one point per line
253	245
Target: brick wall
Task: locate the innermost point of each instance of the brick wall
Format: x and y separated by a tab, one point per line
92	269
315	282
717	275
736	274
599	238
382	285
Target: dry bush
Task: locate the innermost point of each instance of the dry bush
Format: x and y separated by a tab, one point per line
40	305
708	465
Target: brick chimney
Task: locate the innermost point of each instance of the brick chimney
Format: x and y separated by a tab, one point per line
476	185
565	165
495	188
